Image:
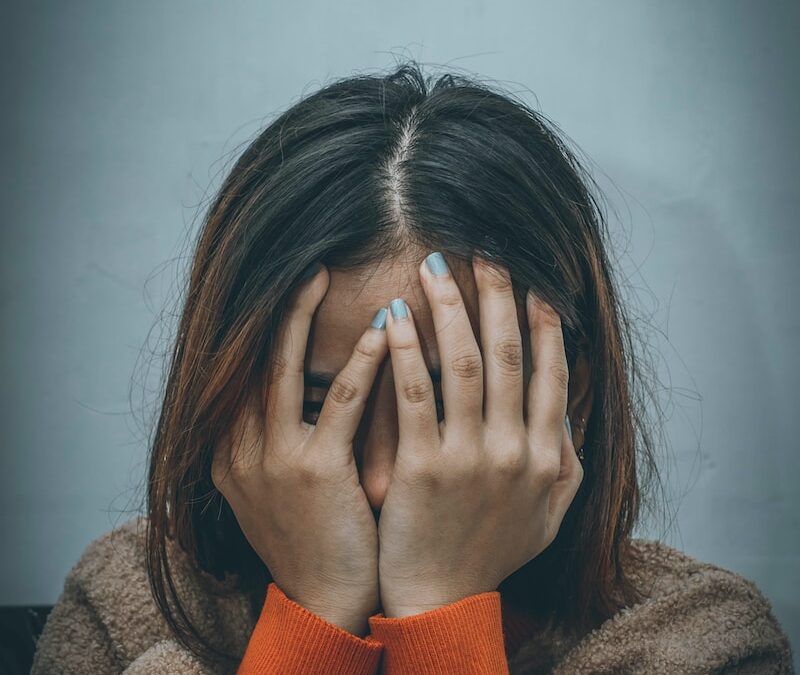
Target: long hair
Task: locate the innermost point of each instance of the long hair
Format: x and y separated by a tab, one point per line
355	172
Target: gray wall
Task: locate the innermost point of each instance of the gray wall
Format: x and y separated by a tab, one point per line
120	117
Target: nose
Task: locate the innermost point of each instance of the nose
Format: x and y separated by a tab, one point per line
375	485
375	447
377	463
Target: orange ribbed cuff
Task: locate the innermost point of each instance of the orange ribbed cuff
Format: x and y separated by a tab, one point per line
465	637
289	639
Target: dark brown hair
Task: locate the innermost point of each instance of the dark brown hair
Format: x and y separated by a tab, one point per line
349	175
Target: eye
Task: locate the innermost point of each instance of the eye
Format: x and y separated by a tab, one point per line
311	410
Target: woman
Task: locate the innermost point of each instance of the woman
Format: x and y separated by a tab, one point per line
424	455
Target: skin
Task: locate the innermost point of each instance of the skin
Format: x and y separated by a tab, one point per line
349	304
464	500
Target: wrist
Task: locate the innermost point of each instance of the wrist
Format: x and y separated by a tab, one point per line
358	626
398	611
402	612
407	605
350	619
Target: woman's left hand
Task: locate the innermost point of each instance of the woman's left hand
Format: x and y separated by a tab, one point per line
475	497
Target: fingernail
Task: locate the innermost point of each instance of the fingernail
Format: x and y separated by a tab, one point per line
569	426
436	264
311	271
399	310
379	321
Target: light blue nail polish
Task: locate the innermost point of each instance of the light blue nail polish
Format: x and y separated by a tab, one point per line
399	310
379	321
436	264
569	426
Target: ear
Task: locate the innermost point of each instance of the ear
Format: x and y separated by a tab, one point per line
581	397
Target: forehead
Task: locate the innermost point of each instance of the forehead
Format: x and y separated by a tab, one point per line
353	297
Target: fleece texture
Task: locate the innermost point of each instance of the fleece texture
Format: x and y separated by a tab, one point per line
696	618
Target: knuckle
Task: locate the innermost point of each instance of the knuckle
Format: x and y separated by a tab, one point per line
275	469
559	373
512	463
417	391
549	470
499	280
279	367
423	473
365	351
406	350
513	459
468	366
548	317
343	391
307	472
450	298
508	353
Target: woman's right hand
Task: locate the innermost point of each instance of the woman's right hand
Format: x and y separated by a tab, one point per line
294	487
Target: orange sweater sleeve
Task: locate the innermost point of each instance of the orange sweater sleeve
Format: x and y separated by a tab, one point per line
290	639
465	637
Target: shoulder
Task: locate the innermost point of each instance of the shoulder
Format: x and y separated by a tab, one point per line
695	616
117	560
110	582
658	569
112	559
663	574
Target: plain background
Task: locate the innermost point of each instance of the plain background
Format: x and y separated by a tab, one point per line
119	120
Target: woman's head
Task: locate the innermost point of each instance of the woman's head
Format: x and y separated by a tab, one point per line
367	176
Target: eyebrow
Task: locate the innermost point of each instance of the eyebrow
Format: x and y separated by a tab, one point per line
324	379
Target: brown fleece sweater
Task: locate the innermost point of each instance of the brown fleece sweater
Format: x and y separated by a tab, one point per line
697	618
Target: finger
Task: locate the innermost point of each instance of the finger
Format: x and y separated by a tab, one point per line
502	345
344	404
285	395
566	486
462	364
548	387
416	405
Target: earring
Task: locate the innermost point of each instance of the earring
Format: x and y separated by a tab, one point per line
581	426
